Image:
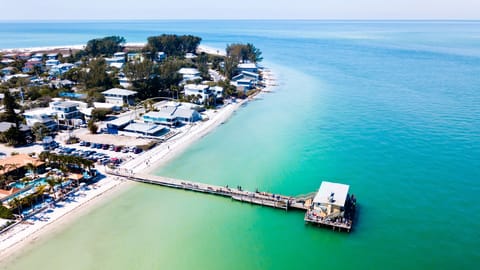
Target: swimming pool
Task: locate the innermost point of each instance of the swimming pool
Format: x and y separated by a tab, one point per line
34	183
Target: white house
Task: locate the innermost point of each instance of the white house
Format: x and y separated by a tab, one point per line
51	63
217	91
190	74
199	90
117	62
119	96
124	81
119	54
60	69
242	84
66	110
7	70
160	56
52	56
250	67
7	61
44	116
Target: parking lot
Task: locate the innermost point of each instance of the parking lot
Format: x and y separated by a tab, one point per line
101	154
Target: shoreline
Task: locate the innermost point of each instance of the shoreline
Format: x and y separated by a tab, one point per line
15	241
201	48
53	220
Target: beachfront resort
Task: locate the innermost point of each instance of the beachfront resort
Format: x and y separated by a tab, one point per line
69	115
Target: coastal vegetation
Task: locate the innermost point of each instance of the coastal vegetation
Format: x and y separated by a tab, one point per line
172	45
152	71
104	46
5	213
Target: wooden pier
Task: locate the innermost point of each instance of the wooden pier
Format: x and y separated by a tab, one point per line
238	194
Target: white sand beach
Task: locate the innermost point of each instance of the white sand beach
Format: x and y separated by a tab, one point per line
63	213
201	48
55	218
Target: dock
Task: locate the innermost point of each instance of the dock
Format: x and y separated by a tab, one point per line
238	194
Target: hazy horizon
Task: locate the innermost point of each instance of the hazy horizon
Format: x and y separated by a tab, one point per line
247	10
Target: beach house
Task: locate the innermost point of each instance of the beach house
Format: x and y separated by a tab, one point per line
172	114
31	64
200	91
40	116
119	96
250	67
217	91
52	56
7	70
65	110
190	74
51	63
60	69
116	61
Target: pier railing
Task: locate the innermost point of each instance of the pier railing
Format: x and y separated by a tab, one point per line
238	194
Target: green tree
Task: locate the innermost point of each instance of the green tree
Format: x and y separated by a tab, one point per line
39	130
172	45
139	70
52	182
92	127
6	213
13	136
16	204
97	75
100	114
244	53
10	104
105	46
32	168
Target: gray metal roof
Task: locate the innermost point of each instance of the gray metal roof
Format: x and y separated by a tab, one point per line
144	128
120	121
172	112
4	126
119	92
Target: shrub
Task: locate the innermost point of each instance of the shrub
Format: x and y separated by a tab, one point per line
6	213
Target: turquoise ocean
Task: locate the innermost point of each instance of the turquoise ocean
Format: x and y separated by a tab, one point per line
391	108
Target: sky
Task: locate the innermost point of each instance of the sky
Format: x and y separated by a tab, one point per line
240	9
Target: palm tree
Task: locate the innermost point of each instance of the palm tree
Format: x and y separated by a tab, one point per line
2	176
52	182
32	168
41	190
16	203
